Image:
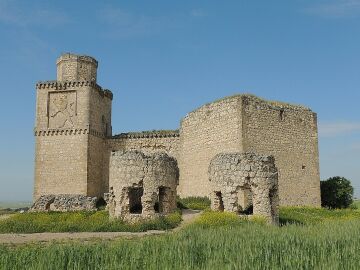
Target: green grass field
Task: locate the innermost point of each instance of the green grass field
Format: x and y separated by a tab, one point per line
81	222
356	204
308	239
196	203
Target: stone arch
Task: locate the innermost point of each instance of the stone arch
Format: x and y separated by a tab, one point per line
246	179
144	186
244	199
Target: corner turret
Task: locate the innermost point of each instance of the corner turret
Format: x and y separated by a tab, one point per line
72	67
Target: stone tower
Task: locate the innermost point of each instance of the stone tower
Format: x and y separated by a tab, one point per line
73	120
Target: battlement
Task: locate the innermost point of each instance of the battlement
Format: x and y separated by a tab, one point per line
148	134
68	131
61	85
72	67
74	57
257	103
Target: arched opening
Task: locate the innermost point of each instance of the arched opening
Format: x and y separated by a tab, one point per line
101	204
218	202
48	205
245	200
162	203
135	194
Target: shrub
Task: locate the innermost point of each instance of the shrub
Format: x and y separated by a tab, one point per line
196	203
336	192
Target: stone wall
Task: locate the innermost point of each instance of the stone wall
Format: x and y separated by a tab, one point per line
212	129
235	176
245	123
100	130
61	164
100	112
289	133
98	167
142	186
148	142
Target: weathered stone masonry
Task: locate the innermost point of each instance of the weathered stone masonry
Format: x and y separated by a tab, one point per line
64	203
74	138
245	123
142	186
73	119
239	181
148	142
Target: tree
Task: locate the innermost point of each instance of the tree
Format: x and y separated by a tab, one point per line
336	192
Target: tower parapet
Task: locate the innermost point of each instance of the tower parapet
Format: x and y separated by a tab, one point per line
72	67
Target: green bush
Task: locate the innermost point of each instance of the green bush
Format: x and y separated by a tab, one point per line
336	192
196	203
81	222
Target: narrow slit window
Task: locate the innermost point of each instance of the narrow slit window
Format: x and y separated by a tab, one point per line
281	114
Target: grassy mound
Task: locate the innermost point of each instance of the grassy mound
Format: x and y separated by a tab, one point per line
81	222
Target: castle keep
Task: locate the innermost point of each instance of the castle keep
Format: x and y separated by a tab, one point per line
74	140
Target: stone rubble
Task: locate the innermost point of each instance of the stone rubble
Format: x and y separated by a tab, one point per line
64	203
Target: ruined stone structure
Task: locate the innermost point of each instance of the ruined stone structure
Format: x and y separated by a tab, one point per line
239	181
142	186
74	138
64	203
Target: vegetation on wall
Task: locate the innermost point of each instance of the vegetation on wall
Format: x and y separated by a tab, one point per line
336	192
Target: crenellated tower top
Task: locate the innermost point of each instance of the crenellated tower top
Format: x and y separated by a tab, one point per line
72	67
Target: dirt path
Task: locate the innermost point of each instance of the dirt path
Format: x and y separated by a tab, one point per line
15	238
188	216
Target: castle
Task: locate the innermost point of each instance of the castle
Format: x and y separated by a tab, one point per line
74	139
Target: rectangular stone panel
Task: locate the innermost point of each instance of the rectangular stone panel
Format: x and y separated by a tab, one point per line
62	110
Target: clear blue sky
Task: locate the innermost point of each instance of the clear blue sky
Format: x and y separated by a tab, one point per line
162	59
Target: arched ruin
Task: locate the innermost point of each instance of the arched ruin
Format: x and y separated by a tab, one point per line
240	182
142	186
